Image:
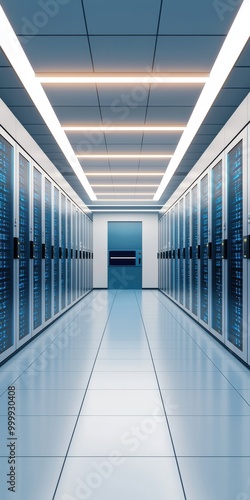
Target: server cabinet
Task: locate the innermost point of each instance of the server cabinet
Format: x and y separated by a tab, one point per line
181	252
69	255
36	251
194	251
172	252
168	253
163	260
187	252
158	254
22	218
176	253
78	222
63	252
74	255
35	256
48	249
203	251
56	245
236	266
6	242
92	256
87	255
215	245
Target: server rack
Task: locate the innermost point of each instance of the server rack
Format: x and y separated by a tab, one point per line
194	251
211	235
181	252
62	252
167	255
22	252
216	323
234	263
176	253
36	249
6	241
56	246
203	249
69	254
48	250
35	239
187	252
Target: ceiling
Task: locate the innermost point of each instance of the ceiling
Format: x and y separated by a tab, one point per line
116	38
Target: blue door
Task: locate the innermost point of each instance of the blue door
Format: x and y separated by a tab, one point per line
125	255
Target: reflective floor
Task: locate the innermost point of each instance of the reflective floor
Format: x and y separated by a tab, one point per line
125	397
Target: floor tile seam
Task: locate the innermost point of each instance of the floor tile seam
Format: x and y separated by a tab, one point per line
203	350
242	457
84	395
163	404
13	383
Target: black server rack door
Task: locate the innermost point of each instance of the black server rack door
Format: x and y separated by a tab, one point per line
63	255
176	261
78	277
74	283
6	242
187	248
181	245
204	249
37	260
235	247
48	244
172	233
56	251
216	275
167	277
195	250
69	253
24	247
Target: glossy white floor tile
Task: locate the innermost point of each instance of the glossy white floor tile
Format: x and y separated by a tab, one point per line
126	397
122	402
121	478
140	436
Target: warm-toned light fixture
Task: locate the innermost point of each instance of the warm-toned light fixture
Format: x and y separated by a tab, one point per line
125	156
123	185
124	174
118	128
124	194
156	78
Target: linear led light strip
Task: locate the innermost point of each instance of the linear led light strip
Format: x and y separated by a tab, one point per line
20	63
124	210
232	47
124	194
126	156
108	79
123	185
117	128
124	199
124	174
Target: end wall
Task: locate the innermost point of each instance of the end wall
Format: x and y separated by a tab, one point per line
149	246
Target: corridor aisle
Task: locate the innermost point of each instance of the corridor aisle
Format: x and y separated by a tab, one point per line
126	397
